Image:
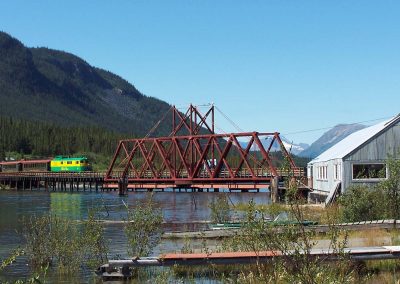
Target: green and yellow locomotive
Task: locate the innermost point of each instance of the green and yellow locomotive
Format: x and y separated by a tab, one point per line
69	164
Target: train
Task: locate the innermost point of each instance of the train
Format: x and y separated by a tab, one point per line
56	164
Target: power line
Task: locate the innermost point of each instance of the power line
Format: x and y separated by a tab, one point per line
289	133
228	119
330	127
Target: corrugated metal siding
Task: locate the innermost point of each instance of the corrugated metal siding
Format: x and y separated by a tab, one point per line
375	151
378	149
346	175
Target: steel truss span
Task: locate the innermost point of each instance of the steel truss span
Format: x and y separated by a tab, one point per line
194	156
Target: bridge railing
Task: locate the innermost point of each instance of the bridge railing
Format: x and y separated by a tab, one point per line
260	173
46	174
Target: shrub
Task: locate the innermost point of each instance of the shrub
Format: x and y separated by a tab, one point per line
59	242
52	240
391	189
361	203
143	229
295	243
220	211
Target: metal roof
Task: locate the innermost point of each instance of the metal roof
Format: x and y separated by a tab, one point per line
354	141
68	158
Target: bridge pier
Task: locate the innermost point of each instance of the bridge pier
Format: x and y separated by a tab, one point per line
122	186
274	190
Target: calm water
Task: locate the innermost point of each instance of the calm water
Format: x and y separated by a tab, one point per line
177	209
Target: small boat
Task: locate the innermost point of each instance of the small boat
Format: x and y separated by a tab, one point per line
228	225
282	219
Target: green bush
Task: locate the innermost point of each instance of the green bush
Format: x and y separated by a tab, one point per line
295	243
361	203
391	188
220	211
143	229
62	243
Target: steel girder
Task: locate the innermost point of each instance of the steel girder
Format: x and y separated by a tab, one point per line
194	155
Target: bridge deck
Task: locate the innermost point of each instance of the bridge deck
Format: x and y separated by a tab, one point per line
59	180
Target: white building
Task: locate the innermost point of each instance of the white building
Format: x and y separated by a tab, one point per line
357	159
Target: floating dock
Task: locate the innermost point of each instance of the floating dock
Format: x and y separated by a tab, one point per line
122	268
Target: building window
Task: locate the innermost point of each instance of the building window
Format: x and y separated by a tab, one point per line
337	171
369	171
322	172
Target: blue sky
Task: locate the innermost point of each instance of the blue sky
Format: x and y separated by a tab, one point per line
284	66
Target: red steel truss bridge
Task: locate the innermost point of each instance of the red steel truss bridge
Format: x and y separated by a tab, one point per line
194	156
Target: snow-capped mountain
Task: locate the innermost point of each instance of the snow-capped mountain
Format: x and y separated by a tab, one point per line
327	140
330	138
294	148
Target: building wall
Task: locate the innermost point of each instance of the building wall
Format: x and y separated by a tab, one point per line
375	151
325	182
378	148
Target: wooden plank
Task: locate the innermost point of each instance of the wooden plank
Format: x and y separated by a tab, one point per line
121	268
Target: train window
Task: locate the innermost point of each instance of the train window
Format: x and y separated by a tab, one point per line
62	163
69	162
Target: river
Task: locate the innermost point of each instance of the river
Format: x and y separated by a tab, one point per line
179	209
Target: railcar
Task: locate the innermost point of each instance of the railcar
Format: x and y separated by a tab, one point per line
58	164
12	166
70	164
25	166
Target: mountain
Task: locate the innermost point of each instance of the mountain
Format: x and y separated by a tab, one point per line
294	148
41	84
289	145
330	138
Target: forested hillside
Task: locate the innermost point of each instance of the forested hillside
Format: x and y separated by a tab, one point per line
40	84
24	139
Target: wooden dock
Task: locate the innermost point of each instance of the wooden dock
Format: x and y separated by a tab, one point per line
122	268
223	233
54	181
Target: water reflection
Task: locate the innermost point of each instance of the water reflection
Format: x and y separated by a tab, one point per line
66	205
179	210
